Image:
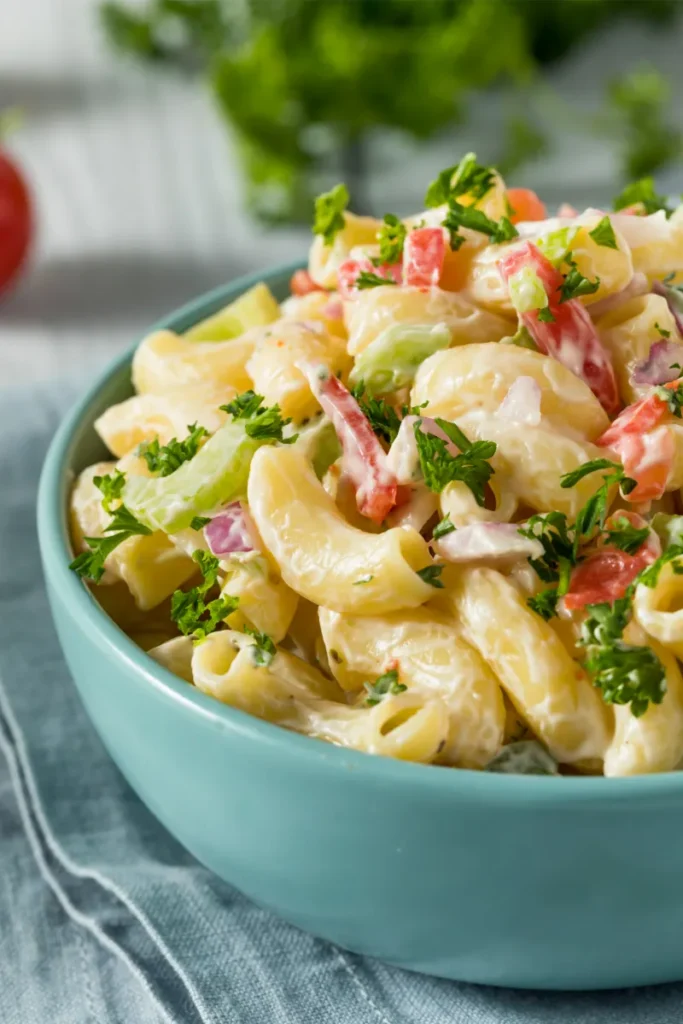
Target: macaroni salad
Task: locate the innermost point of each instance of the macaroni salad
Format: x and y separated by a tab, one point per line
428	506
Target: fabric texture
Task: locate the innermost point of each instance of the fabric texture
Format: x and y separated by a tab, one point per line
104	917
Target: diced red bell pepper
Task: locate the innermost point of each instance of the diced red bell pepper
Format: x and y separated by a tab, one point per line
570	337
364	460
423	257
302	283
525	205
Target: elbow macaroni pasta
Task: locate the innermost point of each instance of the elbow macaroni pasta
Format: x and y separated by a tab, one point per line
426	528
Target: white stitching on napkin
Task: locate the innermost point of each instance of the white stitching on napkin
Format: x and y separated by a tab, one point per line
67	906
30	807
359	984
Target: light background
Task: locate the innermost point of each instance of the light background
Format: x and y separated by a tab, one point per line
138	195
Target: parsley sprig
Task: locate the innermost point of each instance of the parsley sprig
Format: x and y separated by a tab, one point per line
190	610
367	279
623	535
459	216
603	234
89	565
430	574
466	178
642	192
555	564
439	467
263	650
391	237
594	512
575	283
624	673
383	418
261	423
329	217
673	398
383	685
443	527
166	459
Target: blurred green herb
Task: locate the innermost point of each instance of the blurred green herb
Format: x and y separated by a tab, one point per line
301	84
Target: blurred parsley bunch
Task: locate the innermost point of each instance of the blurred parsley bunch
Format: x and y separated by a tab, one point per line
301	80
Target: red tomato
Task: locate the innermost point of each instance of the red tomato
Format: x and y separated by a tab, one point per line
525	205
364	460
302	283
571	337
350	269
423	257
16	221
606	574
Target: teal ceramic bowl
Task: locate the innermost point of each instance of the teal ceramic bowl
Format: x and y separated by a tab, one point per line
526	881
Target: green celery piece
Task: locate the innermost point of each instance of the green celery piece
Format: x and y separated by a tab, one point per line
217	474
255	308
390	362
319	443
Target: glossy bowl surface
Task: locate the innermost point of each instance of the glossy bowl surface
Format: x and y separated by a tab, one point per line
525	881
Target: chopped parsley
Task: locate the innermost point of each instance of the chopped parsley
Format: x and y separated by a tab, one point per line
594	512
263	650
391	237
329	217
459	216
439	467
575	283
111	486
89	565
624	673
626	537
261	423
430	574
642	192
466	178
383	685
366	279
199	522
649	576
363	579
443	527
603	234
665	334
545	603
555	564
166	459
192	613
673	398
382	417
545	316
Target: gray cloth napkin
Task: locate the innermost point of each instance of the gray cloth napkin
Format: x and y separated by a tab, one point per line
105	918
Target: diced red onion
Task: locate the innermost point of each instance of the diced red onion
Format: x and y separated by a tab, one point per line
638	285
658	368
231	531
674	301
522	403
491	542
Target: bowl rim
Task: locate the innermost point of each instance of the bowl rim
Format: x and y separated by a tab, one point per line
56	555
